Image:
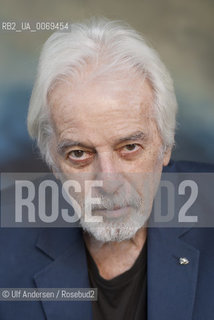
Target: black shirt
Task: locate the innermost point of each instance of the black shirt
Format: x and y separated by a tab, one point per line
123	297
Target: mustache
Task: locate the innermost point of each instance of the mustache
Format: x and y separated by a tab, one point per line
113	202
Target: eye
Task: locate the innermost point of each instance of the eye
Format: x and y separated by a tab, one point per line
79	155
130	149
76	154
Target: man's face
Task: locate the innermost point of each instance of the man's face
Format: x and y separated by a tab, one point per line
107	131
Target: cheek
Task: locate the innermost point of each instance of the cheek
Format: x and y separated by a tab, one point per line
148	162
144	184
144	174
82	178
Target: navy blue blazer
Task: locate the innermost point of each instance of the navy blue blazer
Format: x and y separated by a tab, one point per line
55	258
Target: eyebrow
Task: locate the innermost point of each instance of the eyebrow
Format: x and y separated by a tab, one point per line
67	143
139	135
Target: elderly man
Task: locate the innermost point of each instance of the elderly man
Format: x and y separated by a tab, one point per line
103	110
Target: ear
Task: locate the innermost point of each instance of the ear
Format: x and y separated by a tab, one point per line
167	156
56	175
55	172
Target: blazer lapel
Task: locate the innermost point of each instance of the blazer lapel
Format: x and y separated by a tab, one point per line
67	269
171	285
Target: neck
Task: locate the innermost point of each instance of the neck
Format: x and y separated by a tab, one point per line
114	258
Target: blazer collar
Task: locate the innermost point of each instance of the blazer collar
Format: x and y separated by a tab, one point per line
171	285
67	269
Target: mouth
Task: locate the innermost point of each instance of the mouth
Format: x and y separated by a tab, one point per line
116	212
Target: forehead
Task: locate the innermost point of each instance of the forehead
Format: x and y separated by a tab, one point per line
110	102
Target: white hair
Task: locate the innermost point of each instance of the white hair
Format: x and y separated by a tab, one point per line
109	45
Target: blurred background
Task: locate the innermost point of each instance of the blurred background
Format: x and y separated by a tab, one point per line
181	31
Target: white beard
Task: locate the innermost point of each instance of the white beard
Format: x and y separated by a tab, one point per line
122	227
117	229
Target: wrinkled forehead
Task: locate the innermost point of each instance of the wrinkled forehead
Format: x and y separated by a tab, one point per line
127	90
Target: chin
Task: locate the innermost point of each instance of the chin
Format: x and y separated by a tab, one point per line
119	230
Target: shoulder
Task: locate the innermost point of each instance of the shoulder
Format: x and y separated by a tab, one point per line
25	250
188	166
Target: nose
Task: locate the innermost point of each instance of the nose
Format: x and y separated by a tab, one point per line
108	172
